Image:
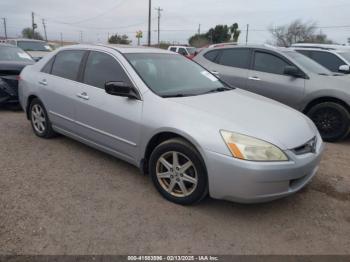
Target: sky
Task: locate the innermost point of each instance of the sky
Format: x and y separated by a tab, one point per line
95	19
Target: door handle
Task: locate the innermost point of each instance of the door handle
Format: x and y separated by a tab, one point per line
43	82
83	95
255	78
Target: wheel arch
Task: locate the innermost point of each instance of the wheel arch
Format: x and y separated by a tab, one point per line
324	99
29	101
160	137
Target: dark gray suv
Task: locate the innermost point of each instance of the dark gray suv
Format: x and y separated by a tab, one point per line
288	77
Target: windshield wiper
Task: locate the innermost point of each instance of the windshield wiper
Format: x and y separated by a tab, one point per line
323	74
219	89
175	95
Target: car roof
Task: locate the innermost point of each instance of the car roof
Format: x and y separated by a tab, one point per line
124	49
253	46
26	39
7	45
321	46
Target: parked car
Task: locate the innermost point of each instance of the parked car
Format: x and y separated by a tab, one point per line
174	120
334	57
288	77
187	51
12	61
36	48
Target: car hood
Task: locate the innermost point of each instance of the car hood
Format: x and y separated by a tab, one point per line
37	54
250	114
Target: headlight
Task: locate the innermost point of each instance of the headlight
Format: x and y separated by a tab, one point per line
249	148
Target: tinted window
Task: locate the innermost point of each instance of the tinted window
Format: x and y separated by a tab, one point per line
101	68
304	52
12	53
211	56
182	51
67	64
269	63
47	68
235	57
328	60
173	49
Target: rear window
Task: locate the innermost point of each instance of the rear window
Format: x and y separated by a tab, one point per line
211	55
67	64
235	57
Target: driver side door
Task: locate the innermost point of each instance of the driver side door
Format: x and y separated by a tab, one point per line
267	78
110	122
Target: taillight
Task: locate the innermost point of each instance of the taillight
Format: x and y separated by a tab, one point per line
18	77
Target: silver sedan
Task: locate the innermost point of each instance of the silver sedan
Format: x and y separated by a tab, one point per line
174	120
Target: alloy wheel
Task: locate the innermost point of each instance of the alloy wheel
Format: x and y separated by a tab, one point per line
38	118
176	174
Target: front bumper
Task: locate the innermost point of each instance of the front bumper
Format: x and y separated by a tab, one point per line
253	182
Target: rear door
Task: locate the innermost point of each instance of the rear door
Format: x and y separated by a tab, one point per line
112	122
230	65
59	86
267	78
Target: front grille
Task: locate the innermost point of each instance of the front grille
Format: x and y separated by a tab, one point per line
308	147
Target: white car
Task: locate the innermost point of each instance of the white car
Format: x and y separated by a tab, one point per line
37	49
187	51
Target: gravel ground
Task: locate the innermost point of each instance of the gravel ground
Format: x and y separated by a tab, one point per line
61	197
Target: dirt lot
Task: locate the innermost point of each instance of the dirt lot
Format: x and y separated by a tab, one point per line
61	197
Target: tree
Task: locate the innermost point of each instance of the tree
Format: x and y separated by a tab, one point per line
298	32
218	34
199	40
28	33
119	39
235	32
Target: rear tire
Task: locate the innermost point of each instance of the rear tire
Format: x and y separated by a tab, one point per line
39	119
178	172
331	119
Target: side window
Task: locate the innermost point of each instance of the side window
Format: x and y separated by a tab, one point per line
328	60
173	49
269	63
67	64
101	68
304	52
182	51
48	67
211	55
235	57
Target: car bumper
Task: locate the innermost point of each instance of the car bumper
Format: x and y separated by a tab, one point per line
253	182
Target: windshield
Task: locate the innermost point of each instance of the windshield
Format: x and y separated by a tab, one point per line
307	63
34	46
8	53
191	50
173	75
345	55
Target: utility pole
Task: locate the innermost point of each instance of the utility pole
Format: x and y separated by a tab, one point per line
149	21
33	25
5	29
108	38
247	35
199	29
159	10
81	36
44	25
61	36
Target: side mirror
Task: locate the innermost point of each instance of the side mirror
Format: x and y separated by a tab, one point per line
121	89
344	69
293	71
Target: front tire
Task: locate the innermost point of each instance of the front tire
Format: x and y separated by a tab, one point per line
178	172
331	119
39	119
